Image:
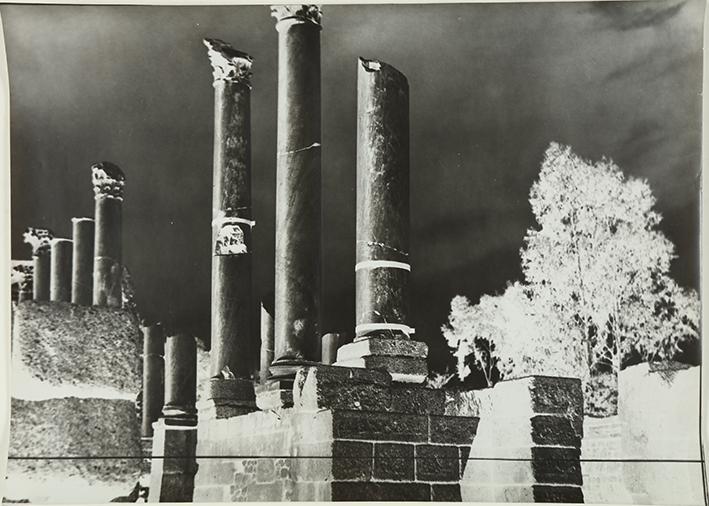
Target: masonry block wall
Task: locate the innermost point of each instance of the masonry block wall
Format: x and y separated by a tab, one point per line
351	434
75	376
658	422
527	446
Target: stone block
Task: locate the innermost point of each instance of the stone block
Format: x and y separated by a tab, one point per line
380	426
554	430
556	465
394	462
446	493
269	399
377	491
223	473
351	460
416	399
335	374
234	390
401	369
453	429
315	395
376	346
557	395
265	471
265	492
210	494
464	455
564	494
461	403
437	463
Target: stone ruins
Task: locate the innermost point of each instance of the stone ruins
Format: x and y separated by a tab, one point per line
326	419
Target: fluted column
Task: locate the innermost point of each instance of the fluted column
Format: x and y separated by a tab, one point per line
83	259
383	332
298	189
153	380
108	181
40	241
60	270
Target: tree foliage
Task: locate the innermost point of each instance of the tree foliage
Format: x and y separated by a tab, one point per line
596	282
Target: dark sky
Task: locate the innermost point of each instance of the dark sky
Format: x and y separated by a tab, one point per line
491	86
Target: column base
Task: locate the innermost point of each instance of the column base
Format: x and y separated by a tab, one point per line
403	359
227	398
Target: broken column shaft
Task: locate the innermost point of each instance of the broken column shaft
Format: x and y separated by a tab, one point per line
382	271
60	270
108	181
231	343
83	259
40	241
153	382
298	189
180	380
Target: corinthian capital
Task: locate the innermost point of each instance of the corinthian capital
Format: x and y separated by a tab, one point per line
228	64
40	239
108	180
298	13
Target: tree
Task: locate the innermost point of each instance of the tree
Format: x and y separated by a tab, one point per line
596	281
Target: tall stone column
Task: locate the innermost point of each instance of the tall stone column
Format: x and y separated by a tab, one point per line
233	350
153	377
298	189
40	241
60	270
174	466
82	268
383	335
108	181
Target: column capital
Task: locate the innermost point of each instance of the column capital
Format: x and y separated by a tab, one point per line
108	180
228	64
296	13
40	239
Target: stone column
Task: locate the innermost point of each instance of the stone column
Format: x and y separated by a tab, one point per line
298	189
383	335
82	268
266	342
108	181
60	270
180	380
232	351
153	380
174	465
40	241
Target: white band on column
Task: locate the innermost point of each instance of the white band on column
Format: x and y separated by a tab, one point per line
377	264
226	219
368	327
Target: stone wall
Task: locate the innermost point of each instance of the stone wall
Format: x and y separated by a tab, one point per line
75	377
527	446
658	420
351	435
